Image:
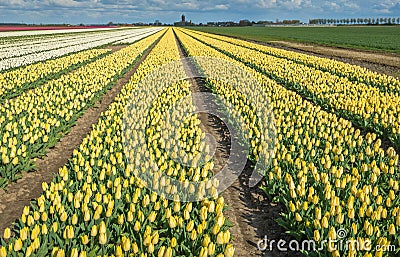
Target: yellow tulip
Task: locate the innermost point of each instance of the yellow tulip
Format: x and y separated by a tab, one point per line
193	235
126	244
298	217
3	251
137	226
7	233
174	242
161	251
85	239
102	239
203	252
172	222
60	253
392	230
18	245
229	251
74	252
317	236
168	252
94	231
152	216
135	248
118	251
324	222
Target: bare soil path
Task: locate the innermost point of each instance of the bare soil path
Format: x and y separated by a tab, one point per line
17	195
251	213
115	48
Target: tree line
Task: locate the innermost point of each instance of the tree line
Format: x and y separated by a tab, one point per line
381	20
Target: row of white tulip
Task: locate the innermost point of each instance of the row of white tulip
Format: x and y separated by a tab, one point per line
74	46
6	43
45	44
48	32
40	45
134	38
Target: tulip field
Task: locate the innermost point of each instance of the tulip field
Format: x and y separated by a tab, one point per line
333	158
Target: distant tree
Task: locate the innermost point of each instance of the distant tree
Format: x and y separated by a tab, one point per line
393	20
398	20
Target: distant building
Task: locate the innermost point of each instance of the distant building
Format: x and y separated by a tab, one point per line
245	23
183	22
157	23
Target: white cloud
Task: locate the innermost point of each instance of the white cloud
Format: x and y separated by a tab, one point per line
63	3
265	3
332	6
188	5
14	3
352	6
221	7
291	4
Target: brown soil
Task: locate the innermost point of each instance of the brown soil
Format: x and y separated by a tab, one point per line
17	195
251	213
386	63
115	48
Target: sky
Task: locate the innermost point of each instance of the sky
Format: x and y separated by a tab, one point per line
168	11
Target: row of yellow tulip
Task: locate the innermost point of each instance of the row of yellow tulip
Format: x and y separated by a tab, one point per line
199	224
35	120
364	105
96	205
353	72
16	81
327	175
